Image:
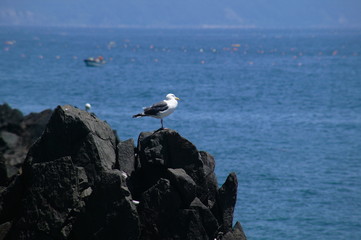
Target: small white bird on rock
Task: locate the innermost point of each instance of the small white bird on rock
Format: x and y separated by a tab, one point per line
88	107
161	109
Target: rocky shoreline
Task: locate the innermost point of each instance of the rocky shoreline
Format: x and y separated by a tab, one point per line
64	174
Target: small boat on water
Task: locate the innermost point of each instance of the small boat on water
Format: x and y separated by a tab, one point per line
94	62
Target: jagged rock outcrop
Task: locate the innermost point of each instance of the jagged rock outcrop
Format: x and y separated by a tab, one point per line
17	134
79	181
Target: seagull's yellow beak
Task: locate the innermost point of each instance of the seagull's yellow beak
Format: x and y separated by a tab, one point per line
177	98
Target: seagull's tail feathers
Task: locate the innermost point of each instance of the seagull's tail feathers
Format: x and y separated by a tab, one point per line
139	115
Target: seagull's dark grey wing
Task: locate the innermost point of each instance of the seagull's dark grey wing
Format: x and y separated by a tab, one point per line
156	108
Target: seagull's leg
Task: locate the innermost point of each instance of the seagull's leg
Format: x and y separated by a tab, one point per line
161	122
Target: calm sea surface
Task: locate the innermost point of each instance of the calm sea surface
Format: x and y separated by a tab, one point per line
281	108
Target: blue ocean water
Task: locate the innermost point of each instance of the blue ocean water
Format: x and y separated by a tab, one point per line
281	108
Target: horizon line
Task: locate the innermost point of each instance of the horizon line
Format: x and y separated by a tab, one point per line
185	27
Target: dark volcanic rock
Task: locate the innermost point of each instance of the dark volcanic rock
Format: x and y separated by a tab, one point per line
236	233
109	212
209	222
90	142
126	157
163	217
79	181
10	200
4	229
157	209
10	118
17	134
189	225
34	125
48	210
167	149
69	180
183	183
211	179
166	155
227	196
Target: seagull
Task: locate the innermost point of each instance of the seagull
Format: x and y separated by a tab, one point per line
88	107
161	109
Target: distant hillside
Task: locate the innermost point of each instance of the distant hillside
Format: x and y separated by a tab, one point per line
165	13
